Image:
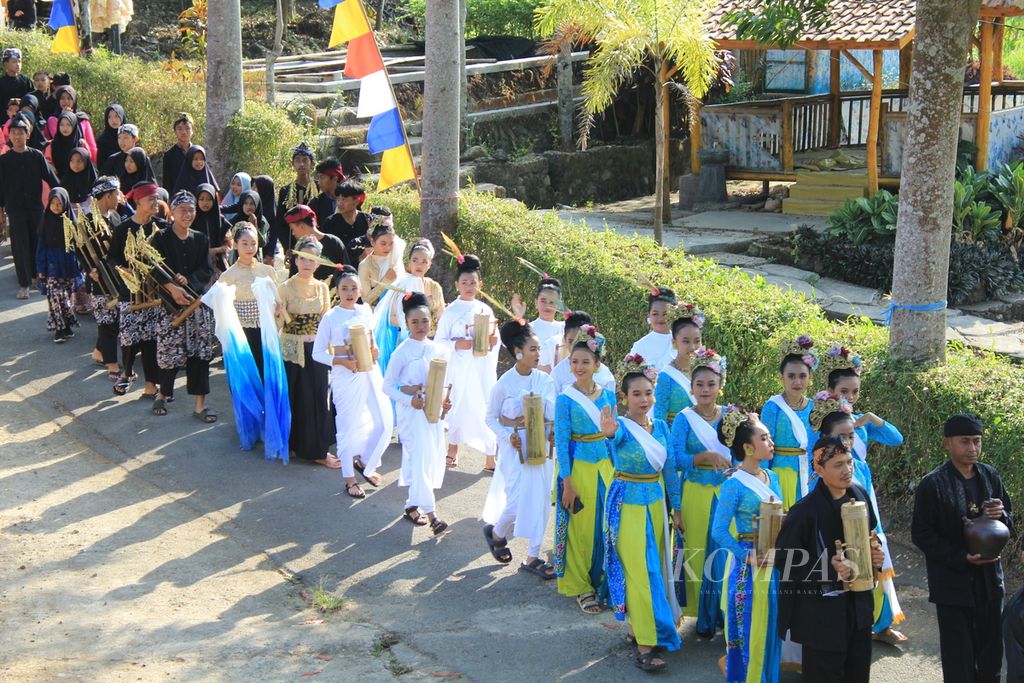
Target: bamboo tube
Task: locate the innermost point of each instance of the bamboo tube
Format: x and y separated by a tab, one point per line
536	441
435	389
857	548
359	338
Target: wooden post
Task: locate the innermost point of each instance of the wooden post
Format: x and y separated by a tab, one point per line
874	115
999	32
787	135
985	53
695	138
906	60
835	87
566	110
666	155
463	83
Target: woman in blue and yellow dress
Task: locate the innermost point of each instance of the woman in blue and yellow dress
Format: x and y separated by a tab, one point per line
752	644
786	416
672	392
703	460
584	475
637	533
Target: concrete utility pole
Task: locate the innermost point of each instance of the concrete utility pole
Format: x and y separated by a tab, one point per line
440	167
224	93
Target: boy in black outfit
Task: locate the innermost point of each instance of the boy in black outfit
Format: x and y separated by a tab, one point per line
349	223
13	83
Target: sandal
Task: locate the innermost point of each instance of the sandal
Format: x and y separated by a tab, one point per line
159	407
373	480
645	661
331	462
146	396
589	604
499	551
413	515
358	493
489	470
122	385
205	415
451	461
438	526
890	636
113	375
538	568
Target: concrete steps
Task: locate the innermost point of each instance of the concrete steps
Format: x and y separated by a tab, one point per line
822	193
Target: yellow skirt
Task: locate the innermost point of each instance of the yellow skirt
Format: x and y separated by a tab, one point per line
584	551
697	501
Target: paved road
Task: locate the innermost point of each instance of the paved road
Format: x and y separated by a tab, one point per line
453	610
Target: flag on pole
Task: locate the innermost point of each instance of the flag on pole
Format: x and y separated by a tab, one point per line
62	20
386	135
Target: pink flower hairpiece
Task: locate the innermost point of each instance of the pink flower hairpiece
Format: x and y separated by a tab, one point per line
406	296
566	315
804	341
650	373
592	345
635	358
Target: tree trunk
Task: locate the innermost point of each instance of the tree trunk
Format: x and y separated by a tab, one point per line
659	157
666	166
85	19
223	80
274	53
289	11
921	263
463	83
440	155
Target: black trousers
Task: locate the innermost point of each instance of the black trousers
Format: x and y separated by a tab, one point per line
252	335
150	370
106	341
971	642
23	227
197	378
853	666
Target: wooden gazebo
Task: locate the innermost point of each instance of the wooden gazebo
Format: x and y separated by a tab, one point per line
765	137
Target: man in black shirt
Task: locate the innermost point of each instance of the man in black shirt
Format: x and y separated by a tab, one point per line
22	14
298	192
187	271
174	157
22	172
13	83
328	175
127	139
99	221
831	623
966	589
302	221
349	224
46	105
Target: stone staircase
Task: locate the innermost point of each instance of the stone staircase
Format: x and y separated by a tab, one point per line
819	193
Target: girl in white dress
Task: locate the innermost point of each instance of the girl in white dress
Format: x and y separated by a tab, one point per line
364	420
519	500
549	325
423	444
472	377
656	347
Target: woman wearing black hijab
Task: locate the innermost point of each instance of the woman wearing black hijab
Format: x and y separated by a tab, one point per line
135	169
190	177
106	143
264	185
250	208
210	221
67	137
79	183
30	108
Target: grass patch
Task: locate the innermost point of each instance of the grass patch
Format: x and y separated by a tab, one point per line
325	601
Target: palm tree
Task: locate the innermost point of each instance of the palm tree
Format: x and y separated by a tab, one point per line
666	37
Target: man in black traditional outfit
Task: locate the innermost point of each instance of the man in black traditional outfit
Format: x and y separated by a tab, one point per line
966	589
299	192
831	623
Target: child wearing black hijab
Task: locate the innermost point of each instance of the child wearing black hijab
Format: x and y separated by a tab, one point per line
57	266
106	144
250	209
29	107
216	228
80	178
194	172
135	169
67	137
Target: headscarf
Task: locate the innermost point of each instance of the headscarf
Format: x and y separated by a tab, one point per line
264	184
189	178
79	185
52	228
211	222
35	138
61	146
106	143
230	197
69	90
143	172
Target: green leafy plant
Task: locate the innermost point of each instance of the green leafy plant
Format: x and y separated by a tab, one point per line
866	218
974	221
260	140
1007	187
486	17
192	23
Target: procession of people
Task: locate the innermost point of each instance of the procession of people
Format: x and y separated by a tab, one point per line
336	343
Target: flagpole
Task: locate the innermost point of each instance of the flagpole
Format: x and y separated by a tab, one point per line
405	131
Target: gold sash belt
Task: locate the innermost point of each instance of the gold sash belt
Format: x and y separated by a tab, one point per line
588	438
638	478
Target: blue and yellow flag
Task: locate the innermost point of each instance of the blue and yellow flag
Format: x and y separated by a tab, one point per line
62	20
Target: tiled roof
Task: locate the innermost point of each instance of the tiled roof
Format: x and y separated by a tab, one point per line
867	23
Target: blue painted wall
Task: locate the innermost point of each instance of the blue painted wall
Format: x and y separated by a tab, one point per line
786	71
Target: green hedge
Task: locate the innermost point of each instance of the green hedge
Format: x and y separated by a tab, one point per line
260	140
747	320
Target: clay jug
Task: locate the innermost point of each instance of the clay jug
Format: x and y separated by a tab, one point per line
985	536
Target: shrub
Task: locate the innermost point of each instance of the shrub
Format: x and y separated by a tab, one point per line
747	319
486	17
863	219
151	95
260	140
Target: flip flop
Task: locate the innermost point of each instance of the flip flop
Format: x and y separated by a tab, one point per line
538	568
359	496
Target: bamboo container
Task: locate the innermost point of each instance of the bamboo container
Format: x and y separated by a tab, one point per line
435	389
536	443
769	522
481	334
359	339
857	548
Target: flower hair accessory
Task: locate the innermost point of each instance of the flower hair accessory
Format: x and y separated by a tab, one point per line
708	358
732	417
686	312
802	346
566	314
838	357
407	296
826	403
634	362
589	335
